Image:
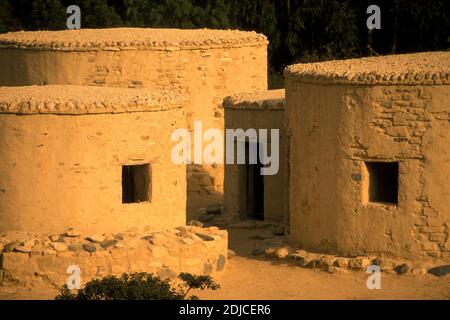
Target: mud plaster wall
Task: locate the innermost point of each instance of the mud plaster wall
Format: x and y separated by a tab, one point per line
65	171
335	128
274	201
206	76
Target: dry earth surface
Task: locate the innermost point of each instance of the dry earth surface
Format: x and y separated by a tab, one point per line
249	277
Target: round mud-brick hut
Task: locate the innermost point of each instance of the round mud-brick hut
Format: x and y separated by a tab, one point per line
370	154
248	193
203	65
89	158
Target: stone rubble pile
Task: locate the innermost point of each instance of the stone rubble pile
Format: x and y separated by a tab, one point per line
276	248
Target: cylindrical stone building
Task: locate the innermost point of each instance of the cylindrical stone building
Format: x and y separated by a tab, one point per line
370	154
203	65
89	158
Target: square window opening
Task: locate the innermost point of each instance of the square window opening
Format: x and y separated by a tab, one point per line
136	183
383	182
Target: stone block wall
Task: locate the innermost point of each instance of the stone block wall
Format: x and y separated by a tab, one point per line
31	258
416	119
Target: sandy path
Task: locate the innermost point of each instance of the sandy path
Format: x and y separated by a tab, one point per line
248	277
255	279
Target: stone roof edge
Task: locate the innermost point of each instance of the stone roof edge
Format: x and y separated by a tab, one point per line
370	78
232	102
71	107
140	46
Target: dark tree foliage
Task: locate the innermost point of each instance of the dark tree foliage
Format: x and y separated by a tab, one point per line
298	30
190	281
138	286
7	19
95	13
177	13
46	14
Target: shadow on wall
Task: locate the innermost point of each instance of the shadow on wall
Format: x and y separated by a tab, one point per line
201	190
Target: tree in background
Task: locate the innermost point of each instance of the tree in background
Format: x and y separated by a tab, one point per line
48	14
7	20
321	30
95	13
177	13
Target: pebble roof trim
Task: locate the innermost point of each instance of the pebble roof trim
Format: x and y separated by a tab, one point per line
417	68
116	39
73	100
257	100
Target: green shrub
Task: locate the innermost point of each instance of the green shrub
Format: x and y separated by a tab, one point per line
138	286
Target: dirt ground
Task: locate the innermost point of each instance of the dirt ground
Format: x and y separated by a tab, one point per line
249	277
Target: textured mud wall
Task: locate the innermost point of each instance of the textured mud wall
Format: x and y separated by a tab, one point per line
205	68
65	170
258	110
333	134
336	127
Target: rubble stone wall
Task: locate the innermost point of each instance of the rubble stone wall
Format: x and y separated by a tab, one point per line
32	257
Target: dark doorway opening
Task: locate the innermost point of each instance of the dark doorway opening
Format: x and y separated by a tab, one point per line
254	183
136	183
383	182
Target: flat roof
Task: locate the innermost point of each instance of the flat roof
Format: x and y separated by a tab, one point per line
131	39
72	100
416	68
256	100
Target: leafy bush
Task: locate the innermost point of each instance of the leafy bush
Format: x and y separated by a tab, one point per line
190	281
138	286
